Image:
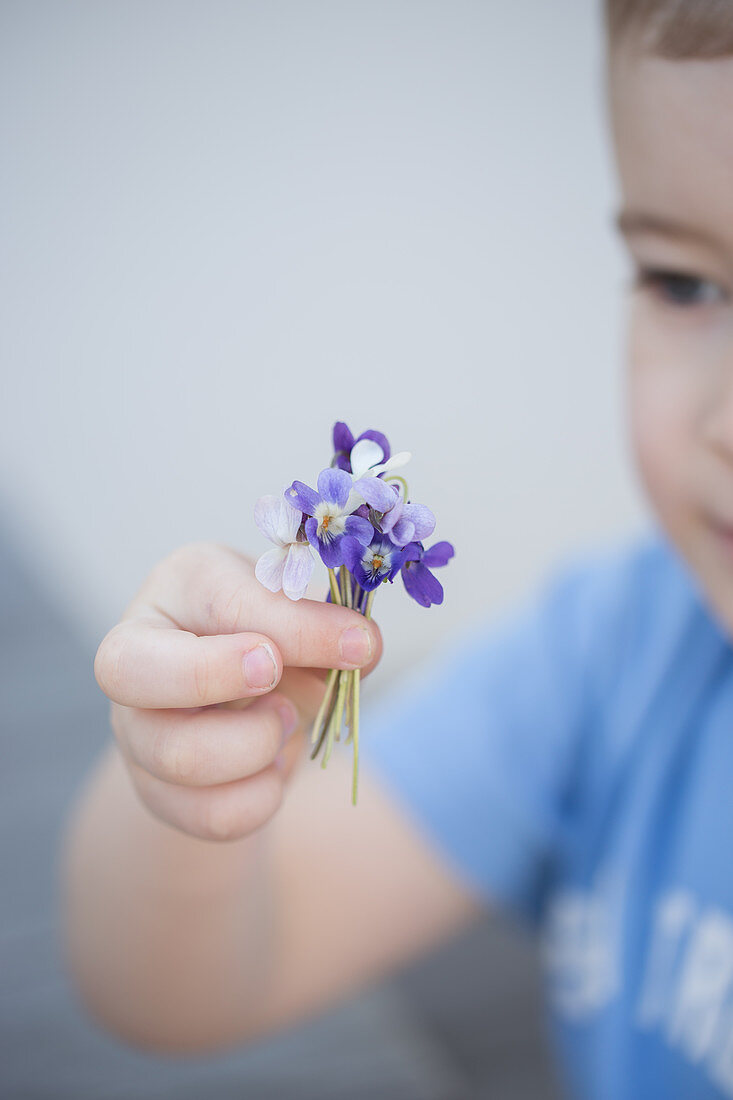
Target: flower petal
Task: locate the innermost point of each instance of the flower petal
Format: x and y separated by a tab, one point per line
303	497
402	532
365	454
423	519
390	518
439	554
379	438
360	529
412	552
297	571
311	533
352	552
332	554
334	486
356	500
421	584
267	518
368	581
343	440
393	463
289	522
397	561
269	568
376	492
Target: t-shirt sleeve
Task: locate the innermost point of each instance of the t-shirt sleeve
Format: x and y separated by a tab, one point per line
480	746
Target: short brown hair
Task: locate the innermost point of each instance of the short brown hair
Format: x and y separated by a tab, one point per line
676	29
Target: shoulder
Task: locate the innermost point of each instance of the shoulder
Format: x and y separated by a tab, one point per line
606	617
584	612
624	594
643	567
639	631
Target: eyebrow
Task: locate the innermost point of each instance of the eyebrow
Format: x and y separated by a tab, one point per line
632	222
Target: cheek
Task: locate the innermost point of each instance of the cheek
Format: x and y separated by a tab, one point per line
661	408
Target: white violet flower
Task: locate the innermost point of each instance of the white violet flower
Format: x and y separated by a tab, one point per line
290	564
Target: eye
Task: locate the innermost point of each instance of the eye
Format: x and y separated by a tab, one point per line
680	289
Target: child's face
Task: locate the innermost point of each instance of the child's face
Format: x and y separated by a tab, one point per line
673	132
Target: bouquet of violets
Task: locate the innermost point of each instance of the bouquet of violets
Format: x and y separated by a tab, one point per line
360	522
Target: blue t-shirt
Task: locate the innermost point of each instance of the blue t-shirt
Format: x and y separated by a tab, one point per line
574	762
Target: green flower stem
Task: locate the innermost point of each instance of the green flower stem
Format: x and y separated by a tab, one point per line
397	477
342	690
330	684
335	594
354	724
349	695
346	587
326	723
337	717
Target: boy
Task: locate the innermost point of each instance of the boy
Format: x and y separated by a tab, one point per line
573	762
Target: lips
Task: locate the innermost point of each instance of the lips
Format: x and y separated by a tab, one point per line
722	527
723	534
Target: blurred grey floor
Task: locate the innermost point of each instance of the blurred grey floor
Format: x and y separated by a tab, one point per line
463	1024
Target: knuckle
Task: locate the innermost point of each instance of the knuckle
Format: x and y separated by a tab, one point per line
191	553
233	610
141	785
175	756
184	561
265	734
301	636
173	812
219	574
272	732
159	752
272	795
201	678
185	759
228	603
225	821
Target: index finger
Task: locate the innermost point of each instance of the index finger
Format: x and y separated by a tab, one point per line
210	589
187	638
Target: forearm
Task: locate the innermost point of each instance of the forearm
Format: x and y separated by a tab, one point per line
170	938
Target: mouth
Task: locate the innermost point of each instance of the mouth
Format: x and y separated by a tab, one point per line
723	533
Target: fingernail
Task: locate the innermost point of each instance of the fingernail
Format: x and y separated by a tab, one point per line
260	670
355	646
289	718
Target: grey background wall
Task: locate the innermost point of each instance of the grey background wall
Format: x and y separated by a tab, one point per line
226	225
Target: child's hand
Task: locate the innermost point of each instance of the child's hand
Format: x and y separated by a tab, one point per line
191	669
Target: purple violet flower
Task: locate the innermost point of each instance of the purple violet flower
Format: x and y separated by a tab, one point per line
373	564
330	514
368	462
405	522
419	581
343	442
